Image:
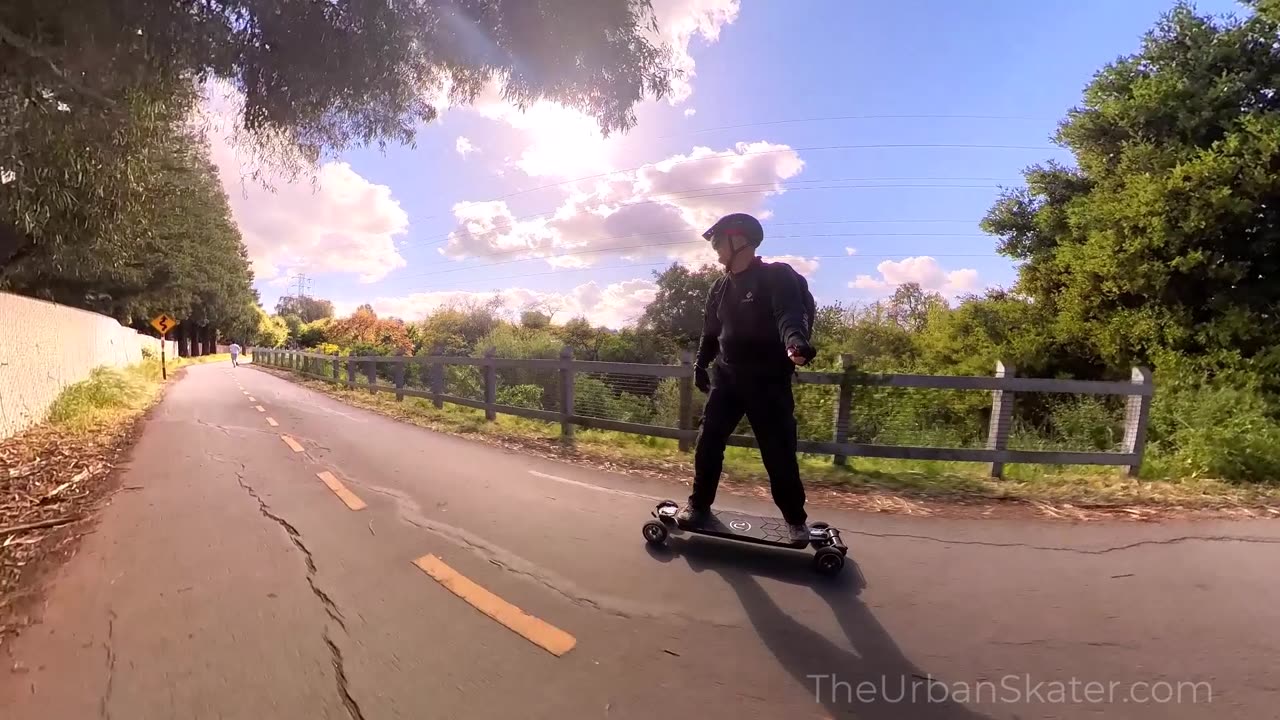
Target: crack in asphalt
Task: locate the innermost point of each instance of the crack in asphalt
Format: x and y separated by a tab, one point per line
339	670
227	430
410	512
489	554
327	602
1078	551
330	607
1057	641
219	428
104	709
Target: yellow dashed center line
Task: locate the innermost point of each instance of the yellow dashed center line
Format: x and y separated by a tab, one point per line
272	422
293	444
260	408
548	637
341	490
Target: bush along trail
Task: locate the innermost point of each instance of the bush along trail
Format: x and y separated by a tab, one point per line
54	475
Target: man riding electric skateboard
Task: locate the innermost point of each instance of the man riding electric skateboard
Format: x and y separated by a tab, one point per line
756	330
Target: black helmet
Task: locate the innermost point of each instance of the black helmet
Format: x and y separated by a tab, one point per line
738	224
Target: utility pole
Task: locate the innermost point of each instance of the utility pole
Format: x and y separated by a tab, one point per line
303	284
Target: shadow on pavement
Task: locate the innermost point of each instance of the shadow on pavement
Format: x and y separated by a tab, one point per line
874	683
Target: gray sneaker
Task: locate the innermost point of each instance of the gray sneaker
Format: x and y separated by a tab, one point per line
689	516
799	532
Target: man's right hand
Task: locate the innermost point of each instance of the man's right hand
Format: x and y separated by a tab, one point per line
701	379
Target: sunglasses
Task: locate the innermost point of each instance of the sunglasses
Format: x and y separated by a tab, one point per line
719	238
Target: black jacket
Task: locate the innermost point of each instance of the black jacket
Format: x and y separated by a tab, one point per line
752	318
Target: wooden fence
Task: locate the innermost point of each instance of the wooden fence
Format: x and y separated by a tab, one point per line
1003	385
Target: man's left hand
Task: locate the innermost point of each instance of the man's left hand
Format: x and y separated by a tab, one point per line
796	357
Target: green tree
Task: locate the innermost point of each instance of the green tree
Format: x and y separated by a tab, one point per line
308	309
272	332
677	310
184	255
325	75
94	97
585	340
534	320
1162	238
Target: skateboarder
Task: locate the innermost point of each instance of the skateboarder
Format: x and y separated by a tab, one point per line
756	329
235	354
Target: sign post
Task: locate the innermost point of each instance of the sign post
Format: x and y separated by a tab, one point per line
163	324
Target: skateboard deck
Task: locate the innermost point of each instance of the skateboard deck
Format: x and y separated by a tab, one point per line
828	559
751	528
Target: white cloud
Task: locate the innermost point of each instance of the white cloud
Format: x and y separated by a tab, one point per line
660	209
560	141
341	223
565	142
679	22
464	146
922	270
613	305
803	265
690	112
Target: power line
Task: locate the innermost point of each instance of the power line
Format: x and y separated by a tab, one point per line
842	118
815	148
732	190
685	230
665	263
643	246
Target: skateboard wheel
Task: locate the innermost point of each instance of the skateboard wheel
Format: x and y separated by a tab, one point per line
828	561
819	526
655	533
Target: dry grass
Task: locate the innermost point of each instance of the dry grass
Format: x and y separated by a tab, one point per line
54	474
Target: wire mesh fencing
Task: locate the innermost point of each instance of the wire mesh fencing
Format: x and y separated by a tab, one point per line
636	398
919	417
1069	422
528	388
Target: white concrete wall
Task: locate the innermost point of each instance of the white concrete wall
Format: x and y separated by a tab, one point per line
44	347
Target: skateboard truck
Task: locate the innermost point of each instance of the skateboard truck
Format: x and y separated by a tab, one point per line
828	560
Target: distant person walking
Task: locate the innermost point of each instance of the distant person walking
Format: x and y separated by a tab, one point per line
235	355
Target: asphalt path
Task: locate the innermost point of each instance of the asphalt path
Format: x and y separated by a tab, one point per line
260	563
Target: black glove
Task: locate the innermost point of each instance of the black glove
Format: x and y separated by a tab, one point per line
804	351
701	379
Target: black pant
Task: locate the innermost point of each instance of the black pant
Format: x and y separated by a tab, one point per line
769	406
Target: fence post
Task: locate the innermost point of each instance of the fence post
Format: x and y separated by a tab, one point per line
566	395
351	372
490	385
844	407
1137	413
371	372
398	374
437	376
337	369
685	422
1001	418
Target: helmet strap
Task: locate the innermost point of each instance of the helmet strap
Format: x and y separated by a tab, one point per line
733	252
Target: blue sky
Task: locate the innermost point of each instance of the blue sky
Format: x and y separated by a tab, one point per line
767	75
